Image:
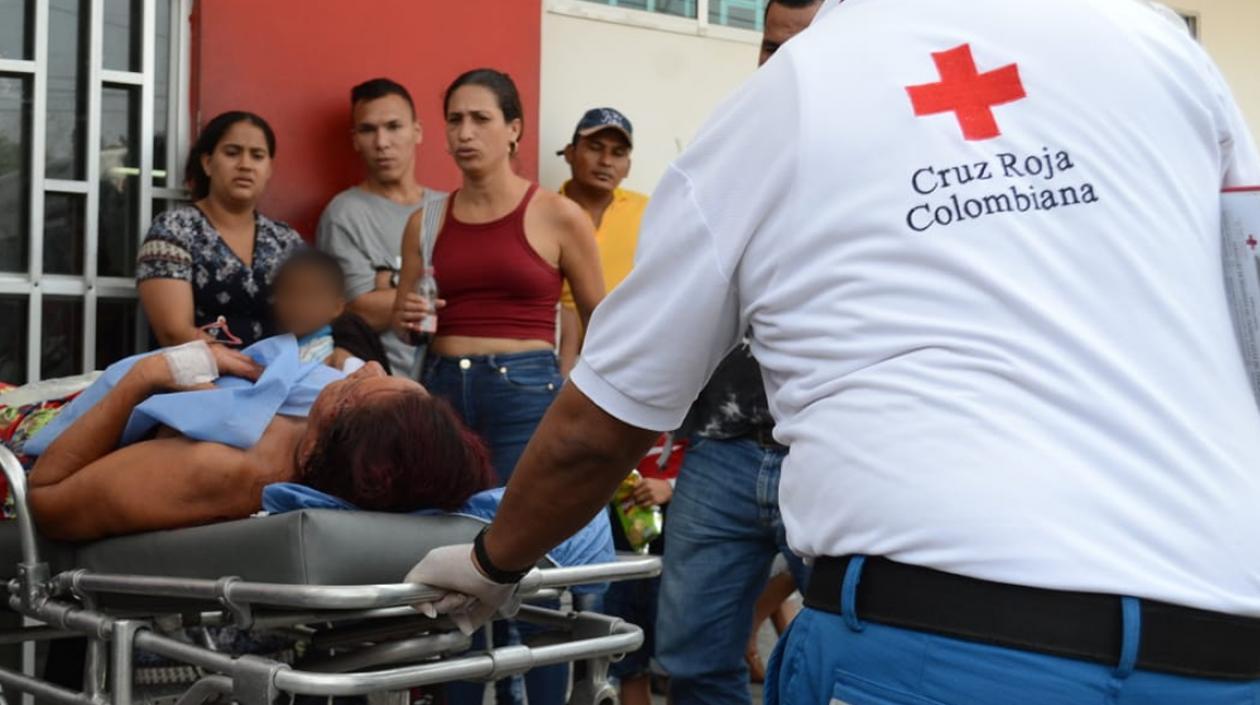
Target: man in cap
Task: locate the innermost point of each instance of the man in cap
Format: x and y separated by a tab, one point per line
599	160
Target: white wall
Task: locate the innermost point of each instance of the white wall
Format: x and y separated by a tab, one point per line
1230	31
666	82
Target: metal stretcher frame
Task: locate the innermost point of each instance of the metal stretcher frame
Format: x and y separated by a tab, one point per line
378	615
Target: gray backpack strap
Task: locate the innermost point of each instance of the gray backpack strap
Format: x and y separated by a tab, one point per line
431	225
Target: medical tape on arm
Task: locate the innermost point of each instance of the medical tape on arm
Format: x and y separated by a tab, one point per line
191	364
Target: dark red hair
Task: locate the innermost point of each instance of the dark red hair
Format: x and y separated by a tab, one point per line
399	453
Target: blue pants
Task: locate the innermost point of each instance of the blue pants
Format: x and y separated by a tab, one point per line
634	601
502	398
829	658
721	536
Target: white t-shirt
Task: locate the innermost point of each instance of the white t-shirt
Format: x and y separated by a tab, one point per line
994	333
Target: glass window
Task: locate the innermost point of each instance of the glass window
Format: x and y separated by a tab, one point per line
62	337
740	14
122	34
67	89
15	29
15	131
13	317
86	123
63	233
117	325
679	8
119	230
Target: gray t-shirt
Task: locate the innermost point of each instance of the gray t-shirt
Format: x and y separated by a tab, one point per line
364	232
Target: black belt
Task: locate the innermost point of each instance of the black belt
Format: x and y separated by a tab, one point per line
765	438
1078	625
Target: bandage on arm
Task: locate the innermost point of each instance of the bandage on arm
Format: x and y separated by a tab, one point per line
191	364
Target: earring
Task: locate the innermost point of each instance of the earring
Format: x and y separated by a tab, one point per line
512	148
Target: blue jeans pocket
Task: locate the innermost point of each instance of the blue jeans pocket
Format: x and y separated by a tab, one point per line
535	375
855	690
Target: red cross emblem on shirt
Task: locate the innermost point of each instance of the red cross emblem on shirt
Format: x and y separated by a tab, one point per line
968	94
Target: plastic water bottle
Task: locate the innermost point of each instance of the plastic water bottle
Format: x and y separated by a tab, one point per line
426	286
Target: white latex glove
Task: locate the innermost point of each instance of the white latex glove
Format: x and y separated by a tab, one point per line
469	598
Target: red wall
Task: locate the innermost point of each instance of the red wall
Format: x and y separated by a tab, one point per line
294	62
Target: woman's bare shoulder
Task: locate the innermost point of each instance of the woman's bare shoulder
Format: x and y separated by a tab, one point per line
560	210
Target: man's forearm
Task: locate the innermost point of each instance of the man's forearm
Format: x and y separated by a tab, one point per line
375	307
567	474
98	431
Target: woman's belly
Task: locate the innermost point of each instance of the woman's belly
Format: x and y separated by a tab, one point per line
457	345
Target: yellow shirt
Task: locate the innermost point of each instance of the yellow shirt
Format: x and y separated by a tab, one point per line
617	237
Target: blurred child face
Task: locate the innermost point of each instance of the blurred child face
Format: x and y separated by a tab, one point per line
305	301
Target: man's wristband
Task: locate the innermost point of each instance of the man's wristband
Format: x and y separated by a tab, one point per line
493	572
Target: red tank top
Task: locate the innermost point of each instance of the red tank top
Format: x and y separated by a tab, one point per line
494	282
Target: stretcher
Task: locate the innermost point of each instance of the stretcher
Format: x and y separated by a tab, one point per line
325	579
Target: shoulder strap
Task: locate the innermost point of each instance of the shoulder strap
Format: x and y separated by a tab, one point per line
431	221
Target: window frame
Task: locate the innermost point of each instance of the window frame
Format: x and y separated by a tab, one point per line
89	287
699	26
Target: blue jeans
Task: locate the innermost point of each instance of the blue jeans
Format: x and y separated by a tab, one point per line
501	397
721	536
827	657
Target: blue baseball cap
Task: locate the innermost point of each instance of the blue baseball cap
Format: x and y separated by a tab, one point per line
599	119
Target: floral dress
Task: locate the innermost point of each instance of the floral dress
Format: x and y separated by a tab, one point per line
183	244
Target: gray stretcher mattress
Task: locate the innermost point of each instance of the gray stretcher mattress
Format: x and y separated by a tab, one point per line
313	546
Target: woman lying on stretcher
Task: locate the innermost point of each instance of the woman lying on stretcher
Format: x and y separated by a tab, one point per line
192	435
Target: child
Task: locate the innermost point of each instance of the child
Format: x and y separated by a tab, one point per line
635	601
309	302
